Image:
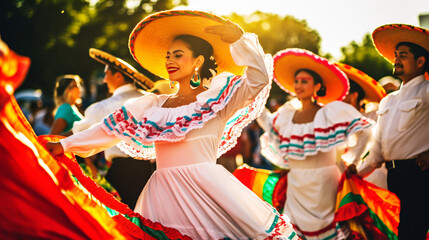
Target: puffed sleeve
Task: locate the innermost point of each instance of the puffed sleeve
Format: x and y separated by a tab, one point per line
89	142
357	146
247	51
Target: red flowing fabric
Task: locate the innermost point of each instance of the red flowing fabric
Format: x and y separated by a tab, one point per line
39	198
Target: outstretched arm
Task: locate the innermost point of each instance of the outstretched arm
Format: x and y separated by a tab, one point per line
85	143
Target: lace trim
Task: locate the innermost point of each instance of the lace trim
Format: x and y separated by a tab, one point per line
134	152
244	116
138	137
283	230
241	119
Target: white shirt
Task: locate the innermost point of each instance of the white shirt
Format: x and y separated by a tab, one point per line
402	131
97	111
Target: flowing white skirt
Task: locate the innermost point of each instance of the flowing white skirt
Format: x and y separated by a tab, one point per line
205	201
310	202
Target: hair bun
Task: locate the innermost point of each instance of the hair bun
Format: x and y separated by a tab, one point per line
322	91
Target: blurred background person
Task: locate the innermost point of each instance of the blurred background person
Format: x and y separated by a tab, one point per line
304	135
67	94
44	118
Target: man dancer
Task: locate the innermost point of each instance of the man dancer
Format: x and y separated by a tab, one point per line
401	138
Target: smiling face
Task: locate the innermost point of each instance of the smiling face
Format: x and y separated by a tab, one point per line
304	86
180	62
405	64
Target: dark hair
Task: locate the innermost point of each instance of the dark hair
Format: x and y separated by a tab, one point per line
354	87
199	47
417	51
317	79
113	69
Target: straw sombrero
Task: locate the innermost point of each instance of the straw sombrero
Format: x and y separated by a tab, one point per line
151	38
287	62
386	38
374	92
122	66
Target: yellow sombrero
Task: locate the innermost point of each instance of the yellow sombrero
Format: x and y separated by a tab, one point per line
151	38
287	62
122	66
374	92
386	38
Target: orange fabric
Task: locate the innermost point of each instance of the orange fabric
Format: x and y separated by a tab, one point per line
38	196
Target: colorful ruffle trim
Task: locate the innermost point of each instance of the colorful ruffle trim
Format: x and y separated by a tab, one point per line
324	134
172	124
282	229
323	139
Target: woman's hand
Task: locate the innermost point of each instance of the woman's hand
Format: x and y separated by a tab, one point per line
351	170
229	32
55	148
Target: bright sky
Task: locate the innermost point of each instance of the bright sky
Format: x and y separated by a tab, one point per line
338	21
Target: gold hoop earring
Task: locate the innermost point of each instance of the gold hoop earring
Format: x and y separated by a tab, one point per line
195	83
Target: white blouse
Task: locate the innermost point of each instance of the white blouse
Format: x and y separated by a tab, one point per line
332	125
143	123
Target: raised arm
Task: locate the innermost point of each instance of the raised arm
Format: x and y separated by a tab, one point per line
246	51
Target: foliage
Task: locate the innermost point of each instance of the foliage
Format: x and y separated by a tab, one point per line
57	34
276	33
365	57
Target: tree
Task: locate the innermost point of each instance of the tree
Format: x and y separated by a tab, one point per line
57	34
365	57
276	33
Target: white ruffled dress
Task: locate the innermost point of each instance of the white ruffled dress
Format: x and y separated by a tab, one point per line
309	151
189	191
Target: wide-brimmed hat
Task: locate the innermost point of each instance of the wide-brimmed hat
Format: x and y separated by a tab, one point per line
386	38
151	38
288	61
374	92
145	82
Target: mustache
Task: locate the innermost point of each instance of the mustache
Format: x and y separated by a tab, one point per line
398	65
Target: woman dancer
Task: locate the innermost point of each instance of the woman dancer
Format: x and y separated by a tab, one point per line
303	136
190	129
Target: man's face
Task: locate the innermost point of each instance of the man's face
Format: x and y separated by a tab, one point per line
405	64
